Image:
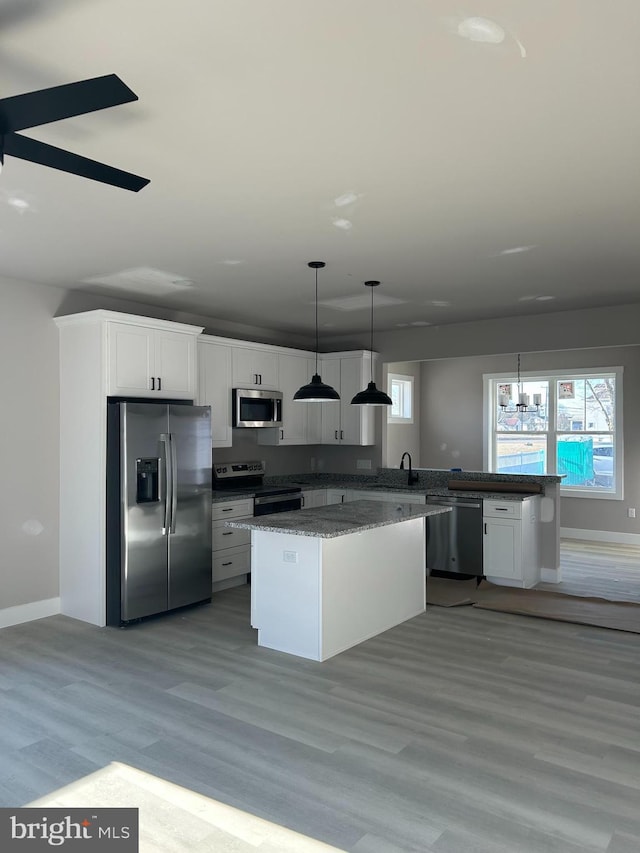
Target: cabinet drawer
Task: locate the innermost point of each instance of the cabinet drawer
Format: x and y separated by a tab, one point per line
232	509
228	537
231	562
502	509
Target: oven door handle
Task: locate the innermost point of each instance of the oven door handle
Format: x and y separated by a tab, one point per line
276	499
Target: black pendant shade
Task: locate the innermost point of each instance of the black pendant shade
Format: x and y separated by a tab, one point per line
371	396
316	391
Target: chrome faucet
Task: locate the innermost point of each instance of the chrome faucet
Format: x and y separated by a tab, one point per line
411	478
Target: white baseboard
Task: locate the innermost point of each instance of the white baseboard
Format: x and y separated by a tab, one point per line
550	575
600	536
28	612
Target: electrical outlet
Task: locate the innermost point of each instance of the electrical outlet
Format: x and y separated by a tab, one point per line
631	512
290	556
363	463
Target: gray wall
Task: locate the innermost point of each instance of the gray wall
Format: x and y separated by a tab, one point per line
401	437
29	391
451	422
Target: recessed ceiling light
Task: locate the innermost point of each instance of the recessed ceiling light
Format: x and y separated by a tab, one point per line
346	198
230	262
440	303
544	298
526	298
481	29
344	224
517	250
401	325
419	323
19	204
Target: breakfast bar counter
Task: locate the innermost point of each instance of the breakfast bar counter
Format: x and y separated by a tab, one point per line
327	578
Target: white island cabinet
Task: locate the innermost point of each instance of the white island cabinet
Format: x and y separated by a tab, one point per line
328	578
511	542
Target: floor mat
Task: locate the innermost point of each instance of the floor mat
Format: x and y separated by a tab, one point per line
601	612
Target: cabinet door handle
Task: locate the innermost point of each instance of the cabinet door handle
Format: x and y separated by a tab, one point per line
485	528
159	383
228	533
341	434
341	499
229	563
302	500
281	433
336	435
227	510
260	378
153	383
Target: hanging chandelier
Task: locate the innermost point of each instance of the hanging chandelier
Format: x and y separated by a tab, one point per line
523	399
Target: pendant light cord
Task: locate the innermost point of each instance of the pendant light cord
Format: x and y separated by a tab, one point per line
371	347
316	321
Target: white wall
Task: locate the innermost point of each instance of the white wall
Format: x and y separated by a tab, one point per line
29	392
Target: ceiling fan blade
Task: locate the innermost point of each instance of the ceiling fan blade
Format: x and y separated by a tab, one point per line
72	99
57	158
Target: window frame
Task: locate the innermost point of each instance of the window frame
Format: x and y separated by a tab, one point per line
405	379
490	382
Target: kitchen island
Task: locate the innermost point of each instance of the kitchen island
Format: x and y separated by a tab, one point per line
327	578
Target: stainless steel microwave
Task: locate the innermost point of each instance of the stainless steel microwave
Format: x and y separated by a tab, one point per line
253	408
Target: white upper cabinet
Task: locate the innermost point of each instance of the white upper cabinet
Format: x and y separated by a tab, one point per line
144	361
342	423
293	371
255	368
214	387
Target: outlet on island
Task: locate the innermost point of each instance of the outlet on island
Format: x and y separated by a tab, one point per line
290	556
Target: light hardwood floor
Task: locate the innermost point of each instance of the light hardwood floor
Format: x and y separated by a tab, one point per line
603	570
459	731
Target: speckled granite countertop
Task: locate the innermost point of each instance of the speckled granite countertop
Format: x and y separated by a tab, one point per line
327	522
223	496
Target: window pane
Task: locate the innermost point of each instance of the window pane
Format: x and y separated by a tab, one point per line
521	454
535	419
587	460
586	404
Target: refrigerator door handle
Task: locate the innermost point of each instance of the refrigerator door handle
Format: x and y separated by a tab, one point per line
174	478
165	440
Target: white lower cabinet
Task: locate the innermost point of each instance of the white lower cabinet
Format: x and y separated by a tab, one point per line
337	496
511	542
314	497
231	559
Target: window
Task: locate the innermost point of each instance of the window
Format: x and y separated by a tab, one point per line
574	431
401	393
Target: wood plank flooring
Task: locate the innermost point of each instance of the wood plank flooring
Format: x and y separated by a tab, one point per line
599	569
459	731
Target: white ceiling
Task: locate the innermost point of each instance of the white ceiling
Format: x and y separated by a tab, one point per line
266	125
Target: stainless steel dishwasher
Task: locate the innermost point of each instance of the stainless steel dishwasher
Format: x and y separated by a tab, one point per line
454	539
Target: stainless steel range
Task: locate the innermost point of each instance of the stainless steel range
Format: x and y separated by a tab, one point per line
247	478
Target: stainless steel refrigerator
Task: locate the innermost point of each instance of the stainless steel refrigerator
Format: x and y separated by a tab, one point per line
158	508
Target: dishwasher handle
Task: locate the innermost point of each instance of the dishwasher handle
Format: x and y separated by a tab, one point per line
453	502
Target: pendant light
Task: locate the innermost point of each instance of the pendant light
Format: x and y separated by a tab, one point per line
316	391
371	396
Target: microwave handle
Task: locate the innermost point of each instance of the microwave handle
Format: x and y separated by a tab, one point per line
278	410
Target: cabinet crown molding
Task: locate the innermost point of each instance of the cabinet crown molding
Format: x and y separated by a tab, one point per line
100	315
